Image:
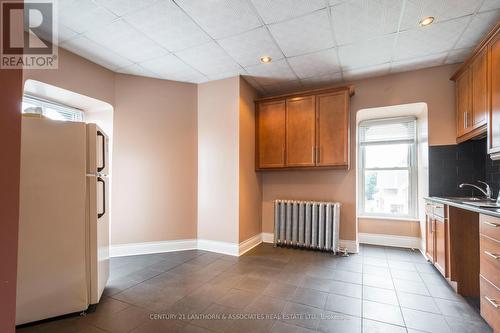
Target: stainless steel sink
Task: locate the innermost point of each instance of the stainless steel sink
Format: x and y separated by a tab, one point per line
483	204
476	201
468	199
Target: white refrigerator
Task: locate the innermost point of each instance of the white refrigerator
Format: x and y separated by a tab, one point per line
63	251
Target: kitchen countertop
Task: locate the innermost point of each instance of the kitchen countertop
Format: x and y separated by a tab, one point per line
495	212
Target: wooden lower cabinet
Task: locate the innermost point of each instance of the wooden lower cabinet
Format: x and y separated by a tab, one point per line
440	236
437	236
452	246
490	304
429	240
490	270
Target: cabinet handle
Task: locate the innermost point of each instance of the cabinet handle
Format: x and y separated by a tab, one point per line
284	155
494	225
494	256
317	155
492	301
313	150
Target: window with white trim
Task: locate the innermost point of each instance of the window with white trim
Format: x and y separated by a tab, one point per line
388	168
51	109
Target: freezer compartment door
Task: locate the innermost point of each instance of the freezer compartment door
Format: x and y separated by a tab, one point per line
98	234
97	150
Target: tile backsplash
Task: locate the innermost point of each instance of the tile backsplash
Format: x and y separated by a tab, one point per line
466	162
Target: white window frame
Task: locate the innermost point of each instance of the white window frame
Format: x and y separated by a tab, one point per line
412	168
77	114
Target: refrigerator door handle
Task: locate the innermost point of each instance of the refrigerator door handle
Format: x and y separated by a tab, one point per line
99	215
99	169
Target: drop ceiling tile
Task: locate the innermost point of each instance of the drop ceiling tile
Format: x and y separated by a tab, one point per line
209	58
367	53
367	72
272	73
136	70
225	75
122	38
336	2
306	66
478	28
305	34
168	25
432	39
221	18
459	55
418	63
96	53
283	88
442	10
273	11
360	19
170	67
321	80
248	47
83	15
489	5
253	82
64	33
122	7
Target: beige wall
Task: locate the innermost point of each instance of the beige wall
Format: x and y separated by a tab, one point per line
431	85
78	75
11	88
389	227
154	149
154	160
250	184
218	162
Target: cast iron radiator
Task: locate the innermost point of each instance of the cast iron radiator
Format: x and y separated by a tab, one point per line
307	224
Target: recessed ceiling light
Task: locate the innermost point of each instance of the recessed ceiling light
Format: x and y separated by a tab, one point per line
426	21
266	59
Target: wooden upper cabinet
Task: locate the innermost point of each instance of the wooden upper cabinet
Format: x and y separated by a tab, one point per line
333	129
270	130
494	93
477	84
479	96
463	93
304	130
300	131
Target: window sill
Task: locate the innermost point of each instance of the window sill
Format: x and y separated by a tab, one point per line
389	218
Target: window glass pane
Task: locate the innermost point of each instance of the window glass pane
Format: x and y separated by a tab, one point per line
371	132
387	192
386	156
54	114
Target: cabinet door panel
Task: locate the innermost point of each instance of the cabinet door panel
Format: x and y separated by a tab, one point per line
333	129
429	242
271	134
463	103
440	246
494	130
479	72
300	131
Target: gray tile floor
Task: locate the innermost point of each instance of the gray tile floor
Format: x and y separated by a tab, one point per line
275	290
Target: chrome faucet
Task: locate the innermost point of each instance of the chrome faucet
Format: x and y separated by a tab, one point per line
487	192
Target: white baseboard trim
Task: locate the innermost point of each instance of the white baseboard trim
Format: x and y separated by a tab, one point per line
390	240
228	248
268	237
352	246
232	249
133	249
250	243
